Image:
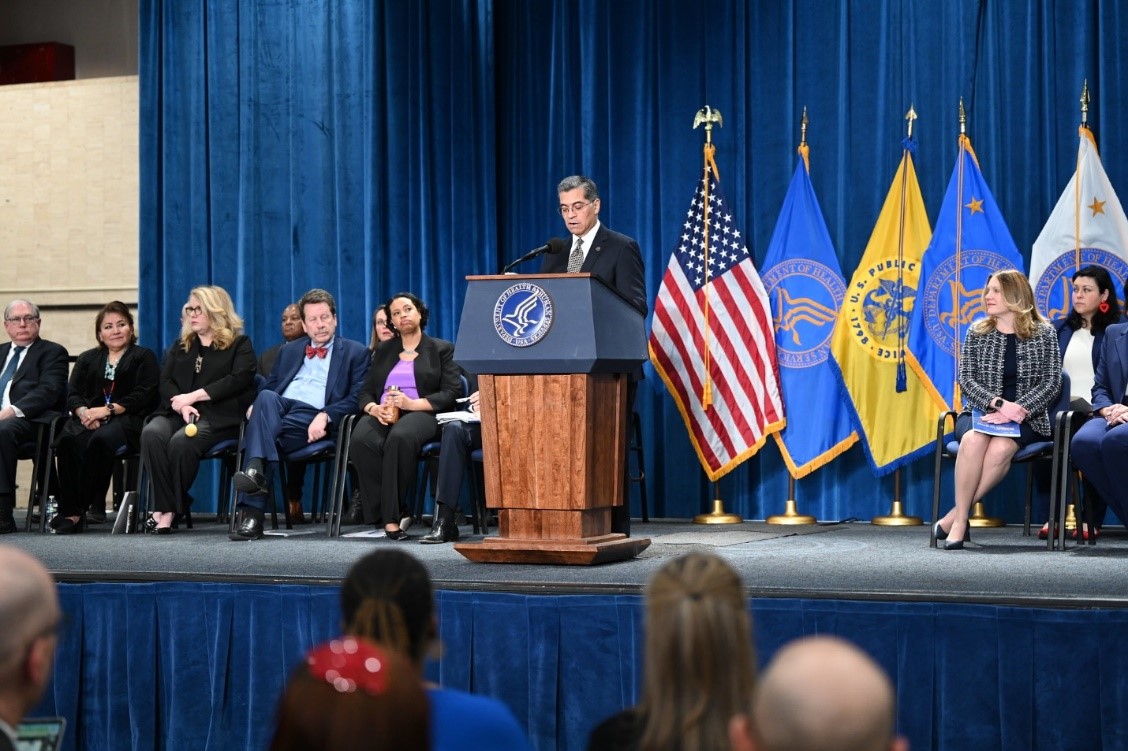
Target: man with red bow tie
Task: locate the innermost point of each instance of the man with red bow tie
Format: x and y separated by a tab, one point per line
313	386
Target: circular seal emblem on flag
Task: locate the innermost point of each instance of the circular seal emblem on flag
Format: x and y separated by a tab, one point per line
805	296
1053	291
951	303
876	315
522	314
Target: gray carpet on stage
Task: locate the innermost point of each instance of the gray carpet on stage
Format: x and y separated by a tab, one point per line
840	561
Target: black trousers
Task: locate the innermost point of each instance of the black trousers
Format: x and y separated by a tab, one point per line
86	466
173	459
385	459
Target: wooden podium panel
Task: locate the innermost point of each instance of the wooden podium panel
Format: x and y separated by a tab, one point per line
555	484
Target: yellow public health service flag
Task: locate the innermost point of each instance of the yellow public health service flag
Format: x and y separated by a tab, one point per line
895	421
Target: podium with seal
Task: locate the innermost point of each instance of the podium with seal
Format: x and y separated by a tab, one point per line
552	353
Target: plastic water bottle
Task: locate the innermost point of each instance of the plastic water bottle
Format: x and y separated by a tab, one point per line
52	507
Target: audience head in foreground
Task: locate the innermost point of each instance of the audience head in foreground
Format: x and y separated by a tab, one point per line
818	694
699	663
351	694
29	621
387	598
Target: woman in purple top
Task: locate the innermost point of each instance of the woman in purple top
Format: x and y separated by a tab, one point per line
396	423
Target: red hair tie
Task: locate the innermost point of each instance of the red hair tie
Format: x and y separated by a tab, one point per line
348	664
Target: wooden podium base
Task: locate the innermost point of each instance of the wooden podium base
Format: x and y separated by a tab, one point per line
585	551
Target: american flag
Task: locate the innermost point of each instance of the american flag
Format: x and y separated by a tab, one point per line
712	317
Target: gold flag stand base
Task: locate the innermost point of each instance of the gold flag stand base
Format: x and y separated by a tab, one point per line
1070	517
897	516
979	518
718	516
790	514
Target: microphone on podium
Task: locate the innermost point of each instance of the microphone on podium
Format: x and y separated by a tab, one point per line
190	429
553	246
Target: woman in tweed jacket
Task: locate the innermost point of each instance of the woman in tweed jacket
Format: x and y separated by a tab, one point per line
1010	368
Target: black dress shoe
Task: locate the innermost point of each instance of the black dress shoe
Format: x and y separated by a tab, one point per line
396	535
356	511
250	482
7	524
249	525
53	522
68	526
440	532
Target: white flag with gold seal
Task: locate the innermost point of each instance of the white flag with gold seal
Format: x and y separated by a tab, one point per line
1087	227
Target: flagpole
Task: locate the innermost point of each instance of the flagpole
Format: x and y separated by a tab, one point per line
791	515
707	116
897	516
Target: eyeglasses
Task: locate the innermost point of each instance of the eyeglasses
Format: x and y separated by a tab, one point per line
575	208
192	310
23	319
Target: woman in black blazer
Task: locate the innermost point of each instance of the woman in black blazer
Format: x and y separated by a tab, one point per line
113	387
386	441
208	380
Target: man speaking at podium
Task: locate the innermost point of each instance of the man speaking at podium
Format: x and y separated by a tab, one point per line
614	258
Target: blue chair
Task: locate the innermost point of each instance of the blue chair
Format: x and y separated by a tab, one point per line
948	447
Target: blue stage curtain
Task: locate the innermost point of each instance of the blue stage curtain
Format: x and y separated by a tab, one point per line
367	147
202	665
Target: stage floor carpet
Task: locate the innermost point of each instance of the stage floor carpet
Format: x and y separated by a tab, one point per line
841	561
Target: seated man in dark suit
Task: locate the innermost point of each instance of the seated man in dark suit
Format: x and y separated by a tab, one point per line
295	473
314	385
33	388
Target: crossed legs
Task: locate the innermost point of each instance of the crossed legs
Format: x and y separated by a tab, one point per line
982	462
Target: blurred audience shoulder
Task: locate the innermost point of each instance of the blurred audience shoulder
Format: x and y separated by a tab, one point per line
820	693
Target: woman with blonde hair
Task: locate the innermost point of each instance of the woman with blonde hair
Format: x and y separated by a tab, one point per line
699	662
1010	373
207	381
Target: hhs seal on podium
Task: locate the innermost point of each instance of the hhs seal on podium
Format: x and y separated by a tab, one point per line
522	314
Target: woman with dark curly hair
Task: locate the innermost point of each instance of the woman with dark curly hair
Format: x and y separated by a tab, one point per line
412	377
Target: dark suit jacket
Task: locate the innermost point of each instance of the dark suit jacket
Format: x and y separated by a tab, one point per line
135	384
347	369
436	373
39	387
228	375
1065	334
1111	377
614	258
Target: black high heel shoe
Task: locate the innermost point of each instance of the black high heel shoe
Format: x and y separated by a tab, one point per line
938	532
958	544
395	535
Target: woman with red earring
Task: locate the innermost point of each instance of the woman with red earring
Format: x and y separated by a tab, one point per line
1080	334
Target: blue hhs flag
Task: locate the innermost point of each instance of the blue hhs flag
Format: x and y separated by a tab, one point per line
806	288
971	241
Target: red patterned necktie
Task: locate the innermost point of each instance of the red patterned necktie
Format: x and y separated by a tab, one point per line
316	351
